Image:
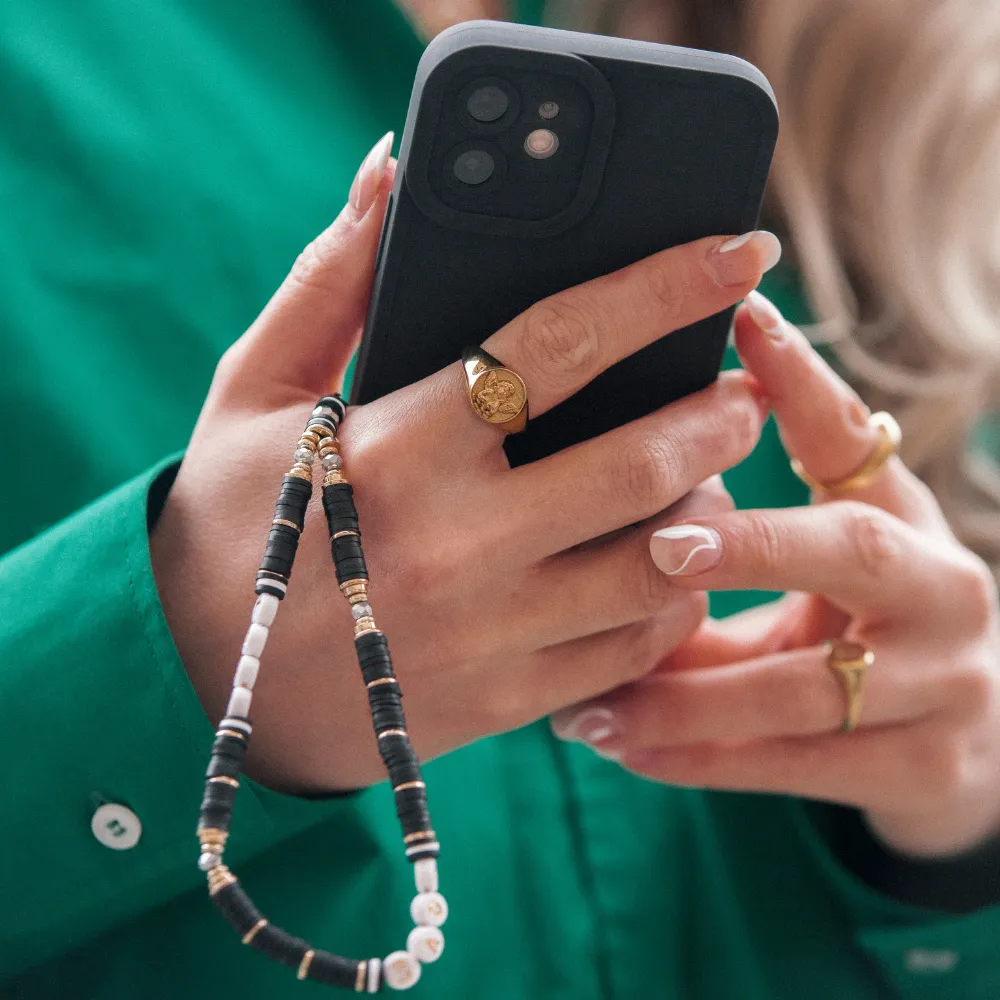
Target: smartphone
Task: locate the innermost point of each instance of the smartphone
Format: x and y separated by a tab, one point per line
535	159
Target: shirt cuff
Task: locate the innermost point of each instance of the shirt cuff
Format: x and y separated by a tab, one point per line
920	948
109	714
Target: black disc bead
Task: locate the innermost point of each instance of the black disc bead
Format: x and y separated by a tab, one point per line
338	505
411	808
333	970
348	558
373	657
237	907
279	946
229	746
279	552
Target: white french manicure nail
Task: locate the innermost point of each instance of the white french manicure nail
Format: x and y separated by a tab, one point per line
589	726
685	549
369	176
766	315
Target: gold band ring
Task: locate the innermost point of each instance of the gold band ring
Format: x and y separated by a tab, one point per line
889	437
850	661
497	394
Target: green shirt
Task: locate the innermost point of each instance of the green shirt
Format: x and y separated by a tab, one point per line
160	166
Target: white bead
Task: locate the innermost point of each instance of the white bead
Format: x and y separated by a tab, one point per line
239	702
253	644
207	861
360	611
425	874
246	672
429	909
323	411
425	943
265	609
374	976
400	970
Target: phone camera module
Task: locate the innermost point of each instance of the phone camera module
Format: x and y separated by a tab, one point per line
487	104
474	166
541	143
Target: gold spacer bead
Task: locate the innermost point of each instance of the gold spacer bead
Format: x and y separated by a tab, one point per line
212	847
218	878
356	591
404	786
212	833
224	779
367	631
333	477
252	933
420	835
368	622
342	534
381	680
392	732
305	963
309	437
286	523
231	732
359	980
320	430
301	472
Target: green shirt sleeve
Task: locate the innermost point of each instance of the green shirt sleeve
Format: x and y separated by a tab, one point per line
97	708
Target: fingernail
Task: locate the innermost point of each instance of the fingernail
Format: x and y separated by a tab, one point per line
592	725
685	549
744	257
369	175
766	315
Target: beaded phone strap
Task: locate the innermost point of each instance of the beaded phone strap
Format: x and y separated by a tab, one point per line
429	909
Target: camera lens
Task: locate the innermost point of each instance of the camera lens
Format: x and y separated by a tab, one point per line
487	104
474	166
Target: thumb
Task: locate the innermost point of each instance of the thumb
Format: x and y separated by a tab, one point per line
306	335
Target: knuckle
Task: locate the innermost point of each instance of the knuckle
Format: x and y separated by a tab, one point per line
762	543
312	267
560	341
976	590
943	764
645	472
873	539
974	688
670	288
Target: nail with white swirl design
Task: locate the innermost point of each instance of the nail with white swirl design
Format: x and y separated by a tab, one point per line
686	549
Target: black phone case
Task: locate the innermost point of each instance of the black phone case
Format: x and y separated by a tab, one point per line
680	149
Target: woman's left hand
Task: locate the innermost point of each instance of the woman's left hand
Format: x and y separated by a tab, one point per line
749	703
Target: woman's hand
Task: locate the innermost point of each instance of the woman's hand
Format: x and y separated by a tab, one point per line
749	703
505	594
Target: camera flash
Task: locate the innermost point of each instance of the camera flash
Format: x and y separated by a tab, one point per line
548	110
541	143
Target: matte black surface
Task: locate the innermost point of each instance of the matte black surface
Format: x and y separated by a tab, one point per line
682	142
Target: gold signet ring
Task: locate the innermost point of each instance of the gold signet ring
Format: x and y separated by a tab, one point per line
889	437
497	394
850	661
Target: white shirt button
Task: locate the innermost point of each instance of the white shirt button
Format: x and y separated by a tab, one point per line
930	960
116	826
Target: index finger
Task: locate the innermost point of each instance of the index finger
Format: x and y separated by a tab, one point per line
565	341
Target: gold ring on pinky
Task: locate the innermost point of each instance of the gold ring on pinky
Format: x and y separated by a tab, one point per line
889	438
497	394
850	661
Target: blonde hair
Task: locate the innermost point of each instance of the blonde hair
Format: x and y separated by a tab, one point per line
886	183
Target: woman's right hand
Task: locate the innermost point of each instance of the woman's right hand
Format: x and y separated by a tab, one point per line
505	594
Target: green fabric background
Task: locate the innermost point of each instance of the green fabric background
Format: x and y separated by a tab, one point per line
160	166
